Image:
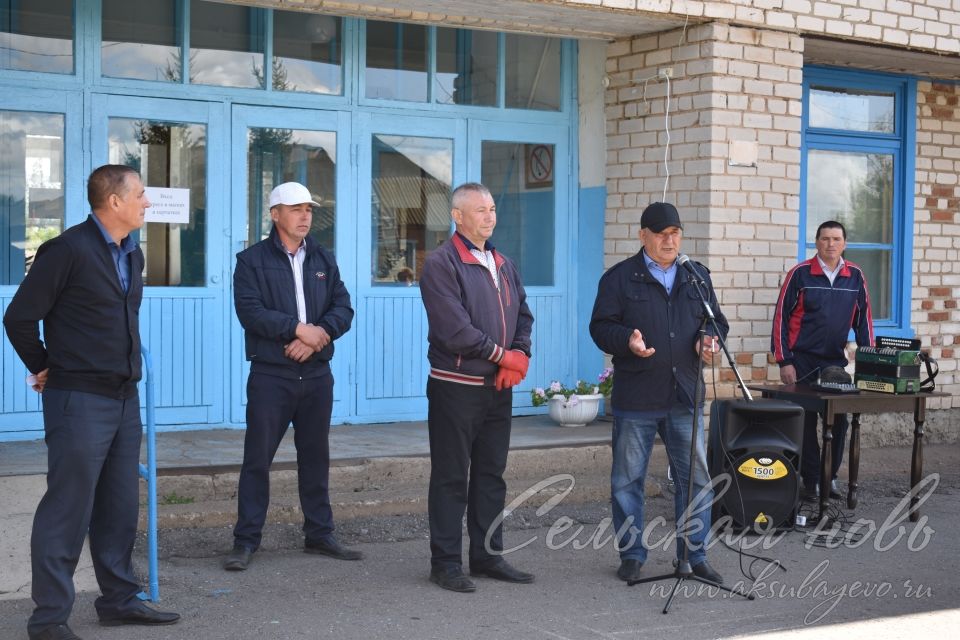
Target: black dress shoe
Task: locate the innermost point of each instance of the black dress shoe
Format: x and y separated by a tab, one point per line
452	578
331	548
141	615
705	571
809	492
56	632
238	559
502	570
629	570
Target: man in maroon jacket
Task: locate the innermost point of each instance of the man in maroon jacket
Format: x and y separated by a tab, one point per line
479	348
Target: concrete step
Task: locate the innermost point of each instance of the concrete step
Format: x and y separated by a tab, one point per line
373	487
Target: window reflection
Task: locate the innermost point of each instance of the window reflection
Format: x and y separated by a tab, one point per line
307	52
853	188
466	66
31	188
856	189
140	40
36	35
275	156
520	177
852	109
226	45
396	61
532	72
168	155
878	268
410	204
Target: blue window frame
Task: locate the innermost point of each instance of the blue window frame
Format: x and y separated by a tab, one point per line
857	167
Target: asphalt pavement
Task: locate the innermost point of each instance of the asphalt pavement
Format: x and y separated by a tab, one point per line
876	576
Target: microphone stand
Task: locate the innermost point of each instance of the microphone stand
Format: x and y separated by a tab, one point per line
684	570
708	315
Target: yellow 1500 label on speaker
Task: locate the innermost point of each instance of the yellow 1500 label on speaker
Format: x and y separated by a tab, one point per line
764	469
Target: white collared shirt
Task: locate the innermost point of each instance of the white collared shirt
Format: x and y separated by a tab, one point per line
296	264
831	275
486	259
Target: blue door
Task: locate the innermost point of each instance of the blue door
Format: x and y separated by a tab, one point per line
270	146
527	169
174	144
406	169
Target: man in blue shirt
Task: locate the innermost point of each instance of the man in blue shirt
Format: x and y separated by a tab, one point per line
647	315
86	286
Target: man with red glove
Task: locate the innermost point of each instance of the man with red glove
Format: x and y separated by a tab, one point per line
479	349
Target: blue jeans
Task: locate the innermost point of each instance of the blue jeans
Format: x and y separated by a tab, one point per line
632	445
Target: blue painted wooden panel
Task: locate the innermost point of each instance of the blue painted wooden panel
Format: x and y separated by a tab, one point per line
554	350
183	336
19	404
393	368
393	354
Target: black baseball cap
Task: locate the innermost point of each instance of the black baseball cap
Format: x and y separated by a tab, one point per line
660	215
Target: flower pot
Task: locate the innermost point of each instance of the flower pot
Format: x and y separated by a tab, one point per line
574	413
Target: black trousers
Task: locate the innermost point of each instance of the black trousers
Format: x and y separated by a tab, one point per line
272	404
93	453
808	368
469	440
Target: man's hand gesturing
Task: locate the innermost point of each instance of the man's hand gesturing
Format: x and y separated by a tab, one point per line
638	346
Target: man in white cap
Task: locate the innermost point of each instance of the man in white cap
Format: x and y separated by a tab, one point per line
292	305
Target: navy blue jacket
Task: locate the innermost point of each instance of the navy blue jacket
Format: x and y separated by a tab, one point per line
471	322
91	327
814	317
265	298
629	298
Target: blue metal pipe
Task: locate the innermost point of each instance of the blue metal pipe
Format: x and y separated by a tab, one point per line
149	473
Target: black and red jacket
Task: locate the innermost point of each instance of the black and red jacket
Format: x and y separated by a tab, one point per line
471	321
814	317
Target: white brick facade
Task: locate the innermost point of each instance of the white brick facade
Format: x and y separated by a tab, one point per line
927	25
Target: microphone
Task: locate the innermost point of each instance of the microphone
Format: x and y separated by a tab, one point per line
684	261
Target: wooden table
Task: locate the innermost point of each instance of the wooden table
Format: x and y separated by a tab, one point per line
831	404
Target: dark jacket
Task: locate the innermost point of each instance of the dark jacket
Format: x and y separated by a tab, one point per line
814	317
265	298
471	322
91	328
629	298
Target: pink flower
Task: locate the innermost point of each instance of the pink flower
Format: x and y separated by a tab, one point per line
556	387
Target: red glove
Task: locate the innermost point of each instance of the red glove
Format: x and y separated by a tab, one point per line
515	360
507	378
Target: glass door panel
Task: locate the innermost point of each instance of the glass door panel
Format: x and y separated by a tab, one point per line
31	188
182	315
408	167
520	177
275	156
168	155
271	146
410	204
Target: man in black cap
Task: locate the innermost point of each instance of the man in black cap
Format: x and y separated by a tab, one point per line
647	315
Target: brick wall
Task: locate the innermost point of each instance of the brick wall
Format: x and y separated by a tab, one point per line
730	86
926	25
936	272
932	25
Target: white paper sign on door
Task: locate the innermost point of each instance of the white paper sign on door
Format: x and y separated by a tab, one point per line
168	205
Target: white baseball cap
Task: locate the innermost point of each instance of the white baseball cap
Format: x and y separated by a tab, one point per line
290	194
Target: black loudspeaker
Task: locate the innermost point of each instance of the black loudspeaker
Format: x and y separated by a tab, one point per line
758	444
